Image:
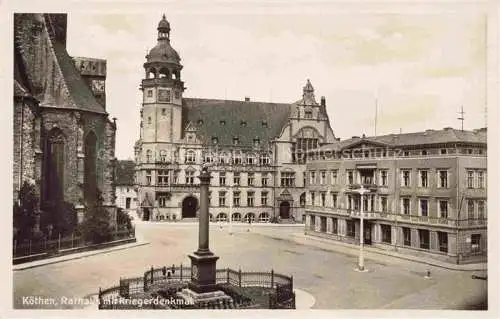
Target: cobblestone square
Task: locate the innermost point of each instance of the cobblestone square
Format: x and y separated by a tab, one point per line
323	272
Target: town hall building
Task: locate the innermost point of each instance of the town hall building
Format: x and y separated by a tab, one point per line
256	150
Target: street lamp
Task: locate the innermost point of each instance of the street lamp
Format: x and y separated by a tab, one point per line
231	208
361	264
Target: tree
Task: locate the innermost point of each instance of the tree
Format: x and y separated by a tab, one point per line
25	212
95	227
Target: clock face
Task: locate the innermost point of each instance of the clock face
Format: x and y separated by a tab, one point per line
98	86
164	95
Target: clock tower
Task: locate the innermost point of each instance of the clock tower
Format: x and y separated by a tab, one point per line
162	88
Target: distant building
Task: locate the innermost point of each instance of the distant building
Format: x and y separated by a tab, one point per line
126	195
428	193
255	149
64	142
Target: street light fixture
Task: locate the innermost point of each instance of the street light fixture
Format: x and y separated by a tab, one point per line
361	263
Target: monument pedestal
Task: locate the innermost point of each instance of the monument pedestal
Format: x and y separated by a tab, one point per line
203	272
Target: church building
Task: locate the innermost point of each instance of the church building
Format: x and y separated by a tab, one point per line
256	150
64	141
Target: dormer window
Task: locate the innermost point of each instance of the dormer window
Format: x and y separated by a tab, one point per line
215	140
150	93
256	142
236	141
443	151
243	124
264	124
308	114
424	152
200	122
223	122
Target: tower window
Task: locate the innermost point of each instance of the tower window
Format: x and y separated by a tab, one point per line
149	119
163	111
236	141
243	123
150	93
308	114
223	122
177	94
200	122
215	140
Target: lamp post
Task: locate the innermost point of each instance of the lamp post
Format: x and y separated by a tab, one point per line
231	209
361	263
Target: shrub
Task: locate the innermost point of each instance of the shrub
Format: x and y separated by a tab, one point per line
25	212
95	227
123	218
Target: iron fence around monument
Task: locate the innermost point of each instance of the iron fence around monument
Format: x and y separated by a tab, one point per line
282	295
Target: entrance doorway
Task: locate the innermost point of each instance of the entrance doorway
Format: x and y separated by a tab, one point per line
285	210
189	206
368	232
145	214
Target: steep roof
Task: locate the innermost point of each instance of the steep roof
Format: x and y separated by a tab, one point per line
78	89
447	135
125	171
72	87
243	119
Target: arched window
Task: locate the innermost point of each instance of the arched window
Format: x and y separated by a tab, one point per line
236	217
302	200
151	73
54	163
264	217
164	73
90	175
221	217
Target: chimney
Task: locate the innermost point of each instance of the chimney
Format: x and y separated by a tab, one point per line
247	99
323	101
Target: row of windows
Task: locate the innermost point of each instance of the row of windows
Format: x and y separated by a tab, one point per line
224	158
236	196
423	235
386	153
475	208
236	140
475	178
170	177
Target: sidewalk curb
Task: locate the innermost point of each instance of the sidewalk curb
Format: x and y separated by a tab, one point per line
382	252
20	267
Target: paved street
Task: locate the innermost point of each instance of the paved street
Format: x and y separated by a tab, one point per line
327	275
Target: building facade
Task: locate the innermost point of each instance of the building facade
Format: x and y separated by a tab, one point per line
126	195
428	193
64	142
254	149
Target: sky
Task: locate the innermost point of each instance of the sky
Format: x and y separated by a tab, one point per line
415	67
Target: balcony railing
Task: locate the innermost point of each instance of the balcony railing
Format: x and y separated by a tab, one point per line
370	186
